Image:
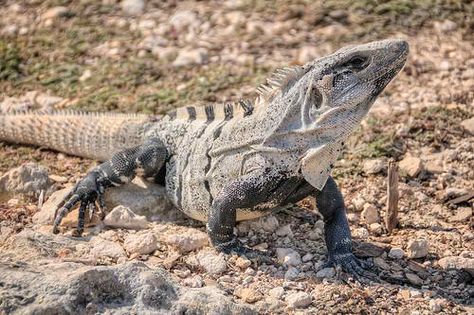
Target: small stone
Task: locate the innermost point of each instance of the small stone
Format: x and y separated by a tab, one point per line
298	300
414	279
396	253
411	166
307	257
141	243
187	241
55	12
288	257
276	293
248	295
194	282
167	54
457	262
29	178
370	214
306	54
105	249
405	293
466	74
86	75
421	196
468	125
292	273
374	166
268	223
445	65
243	263
284	231
463	214
191	57
13	202
358	203
213	263
436	305
376	228
353	217
133	7
58	179
445	26
418	248
326	273
182	20
123	217
361	233
416	294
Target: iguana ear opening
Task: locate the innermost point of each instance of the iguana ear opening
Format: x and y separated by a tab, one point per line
312	102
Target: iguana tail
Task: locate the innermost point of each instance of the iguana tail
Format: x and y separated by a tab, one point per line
91	135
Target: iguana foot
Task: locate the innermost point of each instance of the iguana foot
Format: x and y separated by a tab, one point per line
349	263
236	247
86	192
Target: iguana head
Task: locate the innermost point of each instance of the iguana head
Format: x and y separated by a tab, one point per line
319	104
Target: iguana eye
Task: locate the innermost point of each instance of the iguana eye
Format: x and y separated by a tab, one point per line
357	63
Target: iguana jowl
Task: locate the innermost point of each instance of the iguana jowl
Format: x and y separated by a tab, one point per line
231	162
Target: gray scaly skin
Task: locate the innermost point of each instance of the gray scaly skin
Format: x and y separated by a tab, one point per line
225	163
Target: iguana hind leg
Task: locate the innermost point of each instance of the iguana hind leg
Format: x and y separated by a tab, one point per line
144	160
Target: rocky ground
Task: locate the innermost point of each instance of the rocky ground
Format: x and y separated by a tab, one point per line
150	56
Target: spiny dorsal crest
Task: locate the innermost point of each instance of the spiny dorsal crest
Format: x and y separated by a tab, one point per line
213	112
277	82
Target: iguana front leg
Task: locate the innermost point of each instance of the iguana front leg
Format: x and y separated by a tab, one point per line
330	204
246	192
146	159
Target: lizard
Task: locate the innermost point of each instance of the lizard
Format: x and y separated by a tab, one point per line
223	163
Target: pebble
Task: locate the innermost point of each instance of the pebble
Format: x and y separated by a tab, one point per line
436	305
307	257
284	231
141	243
213	263
445	26
298	300
416	294
29	178
457	262
288	257
102	248
414	279
248	295
194	282
396	253
374	166
133	7
463	214
268	223
55	12
167	54
410	166
188	240
292	273
468	125
86	75
370	214
182	20
417	248
191	57
123	217
358	203
326	273
376	228
276	292
243	263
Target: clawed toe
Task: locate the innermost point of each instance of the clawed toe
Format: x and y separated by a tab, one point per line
356	268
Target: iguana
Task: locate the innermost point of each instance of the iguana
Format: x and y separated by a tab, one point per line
225	163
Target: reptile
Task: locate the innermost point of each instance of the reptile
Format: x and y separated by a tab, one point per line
223	163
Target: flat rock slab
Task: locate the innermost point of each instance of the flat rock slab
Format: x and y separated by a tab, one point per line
65	288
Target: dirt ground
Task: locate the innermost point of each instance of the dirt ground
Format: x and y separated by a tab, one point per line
119	56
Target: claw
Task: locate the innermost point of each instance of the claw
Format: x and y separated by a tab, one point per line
237	248
351	265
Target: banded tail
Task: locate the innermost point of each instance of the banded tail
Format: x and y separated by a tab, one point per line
91	135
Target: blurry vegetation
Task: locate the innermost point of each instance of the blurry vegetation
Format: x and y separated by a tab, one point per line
54	59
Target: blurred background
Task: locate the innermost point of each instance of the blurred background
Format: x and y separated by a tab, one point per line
152	56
